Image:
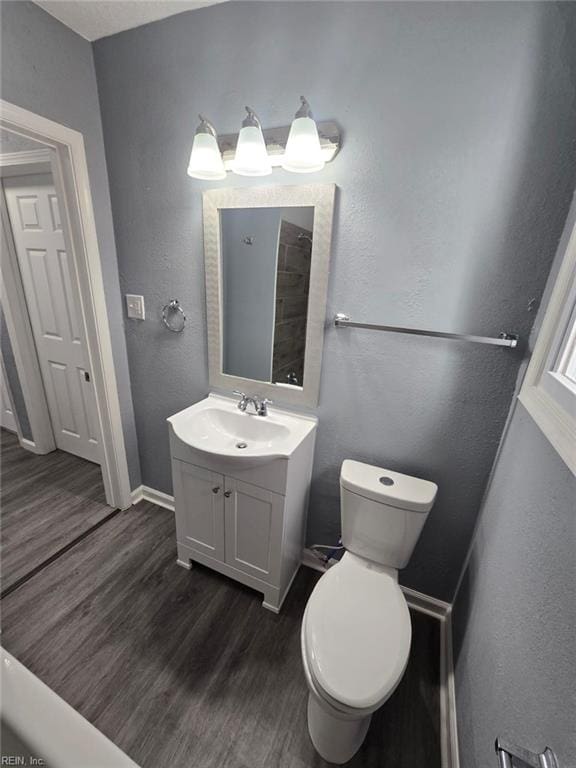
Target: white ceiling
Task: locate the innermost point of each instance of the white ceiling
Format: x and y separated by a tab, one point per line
93	19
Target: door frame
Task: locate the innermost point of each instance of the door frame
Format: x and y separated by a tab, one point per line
70	174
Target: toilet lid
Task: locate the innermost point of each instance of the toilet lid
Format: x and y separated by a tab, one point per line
357	633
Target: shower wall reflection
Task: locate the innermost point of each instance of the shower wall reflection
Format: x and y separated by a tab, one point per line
292	284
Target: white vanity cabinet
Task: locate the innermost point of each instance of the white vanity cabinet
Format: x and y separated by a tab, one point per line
253	520
234	522
199	505
244	517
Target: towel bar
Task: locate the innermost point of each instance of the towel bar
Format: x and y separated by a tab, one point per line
504	340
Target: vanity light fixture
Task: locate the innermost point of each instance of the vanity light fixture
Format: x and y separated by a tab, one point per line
303	147
303	151
251	157
205	159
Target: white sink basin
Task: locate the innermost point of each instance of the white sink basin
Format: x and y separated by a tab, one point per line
216	426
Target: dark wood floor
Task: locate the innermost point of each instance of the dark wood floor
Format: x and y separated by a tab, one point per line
185	668
45	502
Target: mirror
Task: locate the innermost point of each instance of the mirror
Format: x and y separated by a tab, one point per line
267	253
265	262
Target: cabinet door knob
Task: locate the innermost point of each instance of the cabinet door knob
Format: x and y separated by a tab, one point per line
227	494
216	489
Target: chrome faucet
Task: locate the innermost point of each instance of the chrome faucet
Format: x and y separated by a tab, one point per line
260	404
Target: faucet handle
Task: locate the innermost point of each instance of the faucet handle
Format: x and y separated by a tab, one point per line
263	406
243	402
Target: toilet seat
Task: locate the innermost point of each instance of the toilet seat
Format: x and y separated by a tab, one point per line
356	635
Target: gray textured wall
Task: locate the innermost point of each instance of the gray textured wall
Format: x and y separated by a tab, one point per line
515	612
49	70
515	616
249	279
455	176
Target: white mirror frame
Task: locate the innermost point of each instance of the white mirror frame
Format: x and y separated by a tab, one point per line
321	197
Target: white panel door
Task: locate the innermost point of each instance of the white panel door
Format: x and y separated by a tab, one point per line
7	418
199	504
51	295
253	530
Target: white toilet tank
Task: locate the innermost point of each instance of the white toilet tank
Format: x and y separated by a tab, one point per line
382	512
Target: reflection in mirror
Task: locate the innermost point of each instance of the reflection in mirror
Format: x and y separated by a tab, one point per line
266	257
13	407
12	404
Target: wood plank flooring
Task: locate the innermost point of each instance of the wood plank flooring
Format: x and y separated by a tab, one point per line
185	668
46	502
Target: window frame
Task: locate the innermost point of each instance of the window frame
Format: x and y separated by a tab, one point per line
547	393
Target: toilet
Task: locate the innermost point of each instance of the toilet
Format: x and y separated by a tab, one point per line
356	630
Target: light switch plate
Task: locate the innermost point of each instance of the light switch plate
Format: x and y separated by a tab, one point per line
135	306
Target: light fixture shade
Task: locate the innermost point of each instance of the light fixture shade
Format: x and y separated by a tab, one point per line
205	159
251	157
303	151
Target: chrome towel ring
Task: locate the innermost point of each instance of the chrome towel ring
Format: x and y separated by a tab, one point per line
173	316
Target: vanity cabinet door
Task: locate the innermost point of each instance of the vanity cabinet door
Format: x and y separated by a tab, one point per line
253	530
199	503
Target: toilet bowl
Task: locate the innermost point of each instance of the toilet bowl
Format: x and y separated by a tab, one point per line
356	629
355	645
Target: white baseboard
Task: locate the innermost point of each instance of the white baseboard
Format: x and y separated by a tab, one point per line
310	560
426	603
31	446
145	493
449	722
